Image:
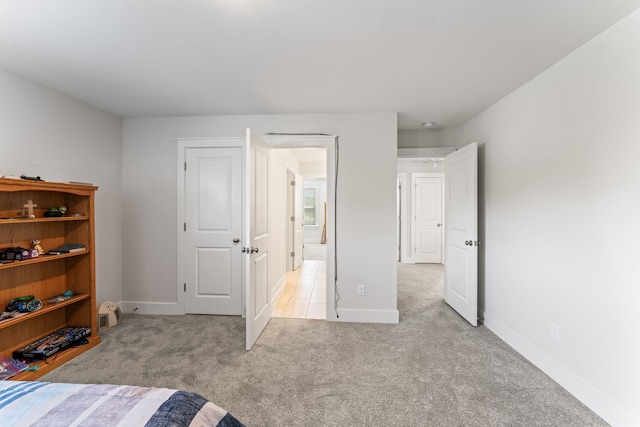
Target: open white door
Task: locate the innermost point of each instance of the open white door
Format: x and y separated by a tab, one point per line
461	232
298	221
256	236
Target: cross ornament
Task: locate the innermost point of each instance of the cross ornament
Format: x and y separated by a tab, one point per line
30	205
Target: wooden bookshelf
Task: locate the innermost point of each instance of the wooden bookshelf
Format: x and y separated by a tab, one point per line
48	275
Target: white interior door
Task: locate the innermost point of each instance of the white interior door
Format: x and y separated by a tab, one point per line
213	208
257	240
298	221
427	220
461	231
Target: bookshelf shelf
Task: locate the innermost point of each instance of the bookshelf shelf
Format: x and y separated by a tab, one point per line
46	308
58	359
5	221
42	258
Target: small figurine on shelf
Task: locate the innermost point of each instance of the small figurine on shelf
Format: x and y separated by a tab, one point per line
35	244
29	206
62	297
63	209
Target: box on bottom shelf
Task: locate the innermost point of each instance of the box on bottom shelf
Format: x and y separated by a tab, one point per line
51	344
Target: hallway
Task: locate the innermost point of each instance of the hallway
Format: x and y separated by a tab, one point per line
304	293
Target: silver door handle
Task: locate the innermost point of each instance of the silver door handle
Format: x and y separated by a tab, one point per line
254	250
439	225
236	240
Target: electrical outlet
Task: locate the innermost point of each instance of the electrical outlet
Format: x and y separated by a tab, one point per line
361	290
555	332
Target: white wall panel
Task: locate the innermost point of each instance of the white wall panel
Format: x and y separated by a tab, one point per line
366	201
559	212
44	133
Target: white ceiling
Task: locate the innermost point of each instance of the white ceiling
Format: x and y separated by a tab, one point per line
429	60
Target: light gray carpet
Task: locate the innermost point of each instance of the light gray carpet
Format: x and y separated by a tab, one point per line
431	369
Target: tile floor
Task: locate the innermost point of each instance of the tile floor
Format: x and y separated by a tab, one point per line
304	293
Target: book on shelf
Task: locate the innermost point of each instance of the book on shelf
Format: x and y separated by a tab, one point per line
6	316
67	248
9	367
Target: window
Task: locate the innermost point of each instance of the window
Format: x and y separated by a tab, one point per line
310	214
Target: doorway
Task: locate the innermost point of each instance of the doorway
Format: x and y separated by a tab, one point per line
420	208
304	294
459	228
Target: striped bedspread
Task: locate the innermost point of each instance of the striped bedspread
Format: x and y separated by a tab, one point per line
56	404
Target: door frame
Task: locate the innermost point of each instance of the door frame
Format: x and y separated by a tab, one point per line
182	145
289	174
327	142
414	176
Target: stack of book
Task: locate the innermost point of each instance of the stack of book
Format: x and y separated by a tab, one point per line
9	367
67	248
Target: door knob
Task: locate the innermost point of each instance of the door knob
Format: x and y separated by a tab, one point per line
468	242
245	250
439	225
236	240
254	250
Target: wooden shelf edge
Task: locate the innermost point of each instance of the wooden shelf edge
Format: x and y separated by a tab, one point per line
40	220
59	359
46	308
43	258
8	184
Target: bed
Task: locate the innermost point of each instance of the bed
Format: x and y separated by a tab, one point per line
57	404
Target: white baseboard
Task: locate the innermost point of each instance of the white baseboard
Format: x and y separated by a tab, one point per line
138	307
602	405
367	316
278	287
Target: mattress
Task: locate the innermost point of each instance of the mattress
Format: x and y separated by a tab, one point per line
58	404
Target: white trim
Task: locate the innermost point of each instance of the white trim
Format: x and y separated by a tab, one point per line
368	316
167	308
601	404
289	211
405	221
418	154
277	289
